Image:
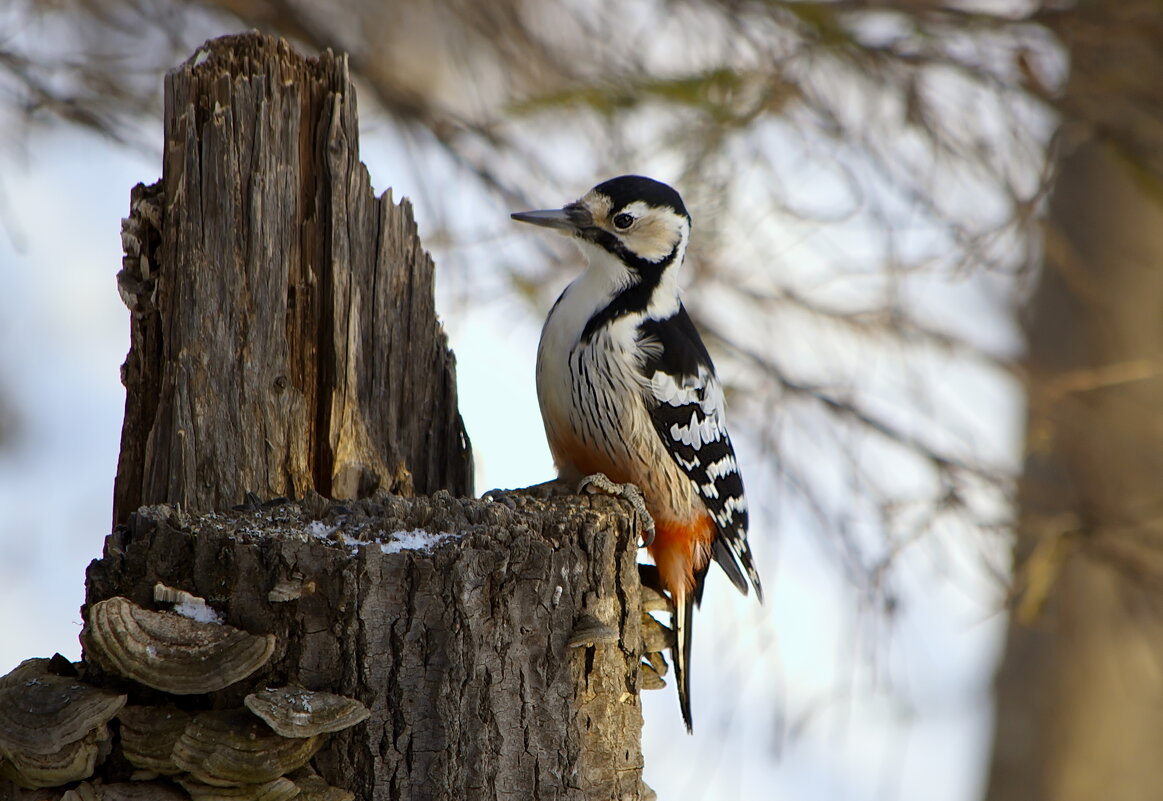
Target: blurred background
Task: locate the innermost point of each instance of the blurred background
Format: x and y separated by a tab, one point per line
926	258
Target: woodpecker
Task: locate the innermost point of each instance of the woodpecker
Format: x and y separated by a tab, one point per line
629	395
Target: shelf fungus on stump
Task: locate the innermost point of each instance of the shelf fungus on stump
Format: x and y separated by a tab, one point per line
72	761
148	734
295	712
315	788
233	747
26	670
656	638
589	631
52	728
169	652
119	791
280	789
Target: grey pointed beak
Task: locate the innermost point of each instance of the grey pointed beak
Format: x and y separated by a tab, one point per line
547	218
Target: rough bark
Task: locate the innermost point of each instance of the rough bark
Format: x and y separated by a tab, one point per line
460	651
1080	691
284	336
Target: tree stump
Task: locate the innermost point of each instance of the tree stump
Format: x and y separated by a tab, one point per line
284	334
284	343
461	650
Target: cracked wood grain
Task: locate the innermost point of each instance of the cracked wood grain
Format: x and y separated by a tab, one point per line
284	334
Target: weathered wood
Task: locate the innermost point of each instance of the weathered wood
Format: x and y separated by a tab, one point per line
284	335
460	651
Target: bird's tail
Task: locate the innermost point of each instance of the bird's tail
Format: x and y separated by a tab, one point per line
684	606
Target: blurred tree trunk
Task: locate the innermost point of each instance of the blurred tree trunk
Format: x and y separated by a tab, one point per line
1080	692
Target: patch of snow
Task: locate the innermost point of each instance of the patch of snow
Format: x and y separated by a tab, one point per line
317	528
413	541
197	611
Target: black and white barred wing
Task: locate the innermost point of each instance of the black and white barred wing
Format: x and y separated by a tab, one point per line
687	409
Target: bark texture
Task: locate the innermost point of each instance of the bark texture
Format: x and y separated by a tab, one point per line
1080	690
284	336
459	650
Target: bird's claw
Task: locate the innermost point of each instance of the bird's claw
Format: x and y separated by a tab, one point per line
599	482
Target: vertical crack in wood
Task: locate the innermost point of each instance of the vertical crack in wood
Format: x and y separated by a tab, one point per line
296	337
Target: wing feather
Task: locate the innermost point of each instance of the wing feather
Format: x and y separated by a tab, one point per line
687	408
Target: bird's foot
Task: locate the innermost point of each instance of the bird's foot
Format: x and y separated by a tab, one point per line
599	482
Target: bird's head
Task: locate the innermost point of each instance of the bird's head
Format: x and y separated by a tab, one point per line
639	221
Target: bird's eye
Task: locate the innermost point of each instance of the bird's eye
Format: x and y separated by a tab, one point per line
623	221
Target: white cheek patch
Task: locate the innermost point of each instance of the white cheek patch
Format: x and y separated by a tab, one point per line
657	234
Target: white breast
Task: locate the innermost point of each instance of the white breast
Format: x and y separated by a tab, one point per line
593	397
590	393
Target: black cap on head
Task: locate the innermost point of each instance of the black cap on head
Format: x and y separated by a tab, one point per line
627	188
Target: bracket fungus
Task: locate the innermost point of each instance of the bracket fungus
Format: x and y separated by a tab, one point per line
123	791
185	604
228	748
72	761
44	713
315	788
295	712
148	734
280	789
590	631
27	670
52	728
169	652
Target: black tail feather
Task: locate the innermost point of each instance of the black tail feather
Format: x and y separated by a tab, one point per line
683	615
